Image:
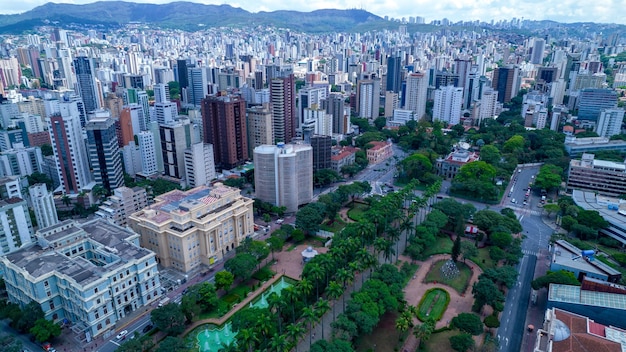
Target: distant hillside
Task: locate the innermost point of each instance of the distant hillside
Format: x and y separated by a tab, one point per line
185	15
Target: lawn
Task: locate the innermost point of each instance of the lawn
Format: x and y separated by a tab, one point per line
442	246
357	212
335	227
439	342
433	304
483	260
385	337
459	283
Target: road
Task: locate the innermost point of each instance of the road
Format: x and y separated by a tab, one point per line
26	343
537	235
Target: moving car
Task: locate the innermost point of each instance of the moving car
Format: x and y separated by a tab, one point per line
147	328
122	335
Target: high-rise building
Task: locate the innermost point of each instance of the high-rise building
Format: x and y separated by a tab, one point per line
175	138
283	174
447	105
322	122
43	205
283	102
539	46
104	153
506	82
182	73
148	152
610	122
199	164
20	161
123	202
310	97
335	107
462	68
198	85
592	101
210	222
84	69
368	97
166	112
394	74
321	146
416	93
224	126
260	127
69	148
110	276
161	93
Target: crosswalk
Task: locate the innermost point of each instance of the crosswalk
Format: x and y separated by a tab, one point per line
527	252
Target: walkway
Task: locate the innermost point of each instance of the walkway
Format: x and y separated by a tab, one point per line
459	303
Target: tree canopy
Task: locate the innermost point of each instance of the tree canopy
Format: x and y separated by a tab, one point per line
555	277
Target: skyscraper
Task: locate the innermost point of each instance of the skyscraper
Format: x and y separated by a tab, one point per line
198	85
148	152
506	82
181	70
104	153
447	106
260	127
283	102
334	105
310	97
43	205
394	74
174	141
539	46
69	149
83	67
283	174
224	126
592	101
416	93
610	122
368	97
199	164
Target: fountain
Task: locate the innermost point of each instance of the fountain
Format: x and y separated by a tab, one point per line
449	270
227	332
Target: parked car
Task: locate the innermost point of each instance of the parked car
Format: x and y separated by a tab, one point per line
147	328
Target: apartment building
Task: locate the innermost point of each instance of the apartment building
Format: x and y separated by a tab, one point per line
123	202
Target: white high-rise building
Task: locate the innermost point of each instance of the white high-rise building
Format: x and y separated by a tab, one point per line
283	174
199	164
368	98
416	93
310	97
147	151
20	161
488	105
323	121
43	205
166	112
448	103
161	93
542	118
16	229
539	46
132	158
198	85
610	122
69	148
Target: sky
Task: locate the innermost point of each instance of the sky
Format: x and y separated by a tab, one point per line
605	11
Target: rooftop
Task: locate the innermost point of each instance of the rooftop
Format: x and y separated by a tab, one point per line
569	255
576	295
611	209
584	334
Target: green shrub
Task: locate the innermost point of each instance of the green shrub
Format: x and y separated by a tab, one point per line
263	274
609	242
620	258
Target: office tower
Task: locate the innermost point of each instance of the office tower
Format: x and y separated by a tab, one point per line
472	89
224	126
610	122
123	202
43	205
321	148
488	108
174	141
283	102
539	46
442	78
20	161
217	219
83	67
198	85
448	103
122	278
394	74
148	152
310	97
104	153
181	70
391	103
161	93
199	164
592	101
548	74
163	75
69	148
506	82
368	97
462	69
334	106
322	122
416	93
260	127
166	112
283	174
258	80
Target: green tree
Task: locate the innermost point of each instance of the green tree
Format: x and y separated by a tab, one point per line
309	217
592	219
461	342
549	177
242	265
30	314
514	144
267	218
468	250
224	279
490	154
169	319
561	277
506	275
492	322
469	323
46	150
44	330
501	239
551	208
485	291
424	330
335	345
172	344
275	244
456	249
189	303
9	343
38	177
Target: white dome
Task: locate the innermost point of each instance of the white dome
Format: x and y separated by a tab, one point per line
561	331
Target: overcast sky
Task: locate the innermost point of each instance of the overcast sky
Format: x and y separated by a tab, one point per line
606	11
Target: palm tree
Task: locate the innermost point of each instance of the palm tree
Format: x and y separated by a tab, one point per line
295	331
321	308
334	292
264	324
291	294
247	337
346	277
367	231
405	321
279	343
309	317
379	246
66	200
275	305
424	330
406	227
230	347
305	287
394	236
316	273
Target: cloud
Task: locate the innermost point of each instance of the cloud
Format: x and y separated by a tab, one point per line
455	10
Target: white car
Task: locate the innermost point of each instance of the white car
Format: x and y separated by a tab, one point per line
122	335
513	201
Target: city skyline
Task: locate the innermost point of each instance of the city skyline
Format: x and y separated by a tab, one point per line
567	11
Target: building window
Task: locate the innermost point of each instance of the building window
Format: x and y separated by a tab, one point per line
99	327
